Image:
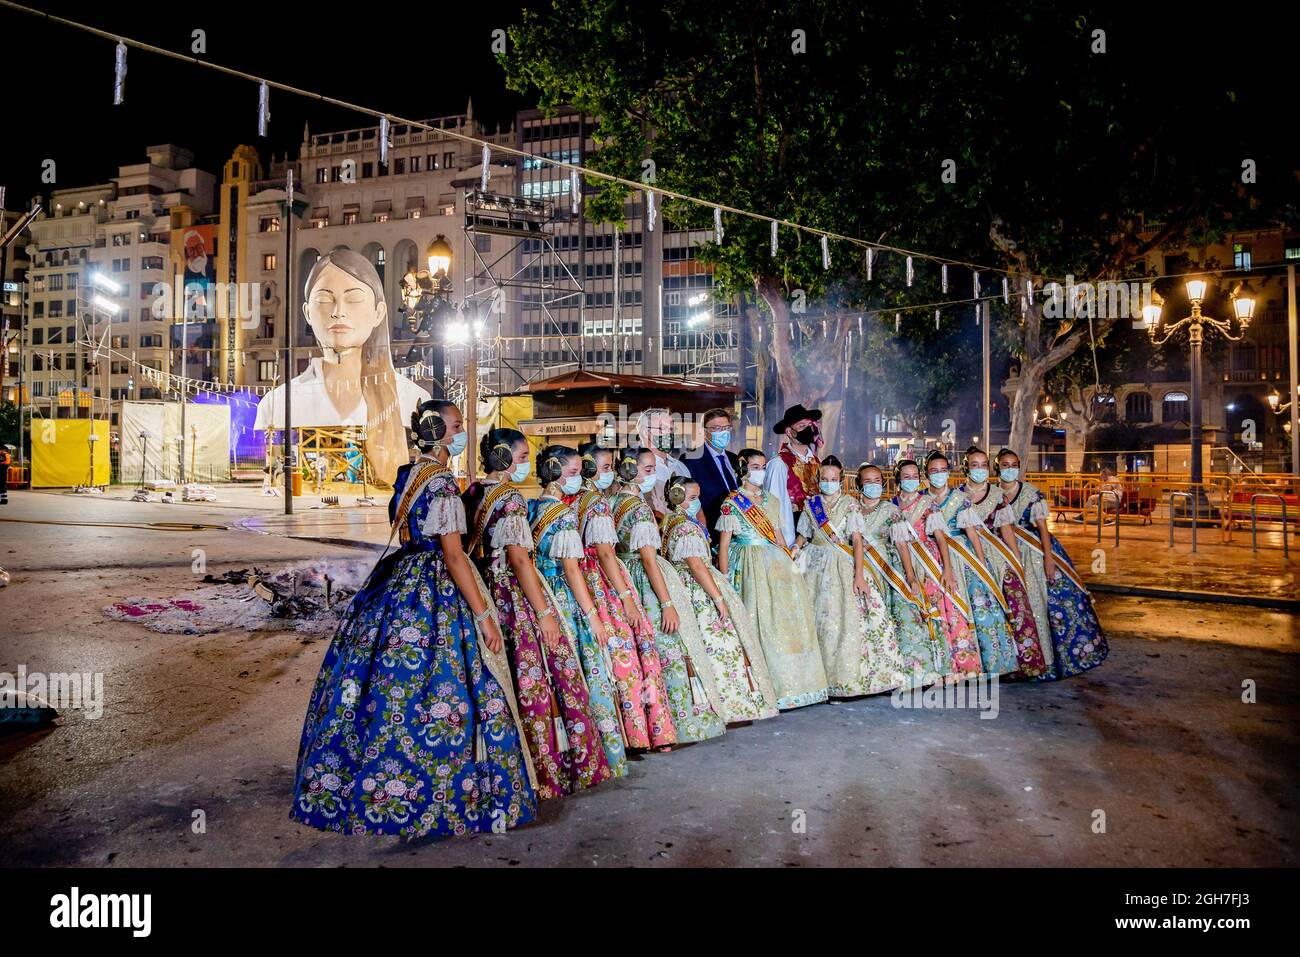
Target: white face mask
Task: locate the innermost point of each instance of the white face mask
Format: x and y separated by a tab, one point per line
571	484
647	484
604	480
755	477
520	471
939	480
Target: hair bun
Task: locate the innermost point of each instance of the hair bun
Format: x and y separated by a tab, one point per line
500	458
675	494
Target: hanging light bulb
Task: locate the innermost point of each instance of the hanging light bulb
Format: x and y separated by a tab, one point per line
977	284
943	277
383	141
826	252
487	168
1006	291
717	226
936	320
650	210
119	74
774	238
575	190
263	108
871	261
909	271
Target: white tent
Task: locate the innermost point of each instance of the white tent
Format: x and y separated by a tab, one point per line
207	444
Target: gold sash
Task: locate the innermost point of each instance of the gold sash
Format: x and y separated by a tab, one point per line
993	539
758	518
1033	541
485	507
671	521
932	569
421	475
981	571
625	504
546	519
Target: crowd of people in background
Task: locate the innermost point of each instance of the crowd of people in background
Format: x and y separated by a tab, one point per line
516	649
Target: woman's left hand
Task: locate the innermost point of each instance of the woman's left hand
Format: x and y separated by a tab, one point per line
860	586
491	634
630	608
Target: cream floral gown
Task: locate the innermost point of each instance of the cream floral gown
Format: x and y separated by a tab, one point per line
763	573
856	632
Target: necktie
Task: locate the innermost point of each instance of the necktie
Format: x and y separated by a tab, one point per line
727	476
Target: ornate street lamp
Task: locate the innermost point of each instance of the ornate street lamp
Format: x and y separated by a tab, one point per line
1243	309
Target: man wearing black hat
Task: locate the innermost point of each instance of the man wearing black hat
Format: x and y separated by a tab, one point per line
794	471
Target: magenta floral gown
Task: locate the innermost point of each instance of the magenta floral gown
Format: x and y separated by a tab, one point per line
555	709
646	723
911	529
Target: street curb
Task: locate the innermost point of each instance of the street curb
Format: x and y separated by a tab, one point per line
1205	597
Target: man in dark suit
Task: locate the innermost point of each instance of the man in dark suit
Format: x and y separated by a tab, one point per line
713	466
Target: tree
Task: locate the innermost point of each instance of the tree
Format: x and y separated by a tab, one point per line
1007	134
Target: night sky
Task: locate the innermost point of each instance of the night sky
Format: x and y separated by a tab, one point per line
424	60
59	81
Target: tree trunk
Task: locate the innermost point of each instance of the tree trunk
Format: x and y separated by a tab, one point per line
1024	402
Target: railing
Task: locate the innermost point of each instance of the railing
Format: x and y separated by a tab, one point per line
1191	509
1254	499
1101	494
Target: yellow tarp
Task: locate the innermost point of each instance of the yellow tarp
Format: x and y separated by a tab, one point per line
61	452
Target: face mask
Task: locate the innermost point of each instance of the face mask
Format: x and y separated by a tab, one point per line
979	476
909	485
829	488
720	440
664	443
1010	474
647	484
520	471
873	490
457	444
806	435
939	479
571	484
604	480
755	477
692	507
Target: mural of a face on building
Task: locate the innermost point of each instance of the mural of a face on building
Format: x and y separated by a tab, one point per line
342	310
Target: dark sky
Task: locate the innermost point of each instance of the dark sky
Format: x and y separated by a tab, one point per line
412	60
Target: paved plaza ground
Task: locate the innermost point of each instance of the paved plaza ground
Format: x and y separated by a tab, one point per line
1157	743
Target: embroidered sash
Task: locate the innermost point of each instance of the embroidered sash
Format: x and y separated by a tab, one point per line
931	568
625	505
758	518
1036	544
545	519
583	505
421	476
490	502
981	571
672	521
993	540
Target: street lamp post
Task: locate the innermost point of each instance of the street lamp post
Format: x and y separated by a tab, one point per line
426	301
1243	308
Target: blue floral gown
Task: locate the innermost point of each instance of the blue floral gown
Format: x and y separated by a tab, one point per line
556	541
412	728
997	648
1061	607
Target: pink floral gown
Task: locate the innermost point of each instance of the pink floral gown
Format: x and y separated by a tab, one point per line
914	514
645	723
555	709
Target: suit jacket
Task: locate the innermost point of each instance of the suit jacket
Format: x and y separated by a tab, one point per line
713	488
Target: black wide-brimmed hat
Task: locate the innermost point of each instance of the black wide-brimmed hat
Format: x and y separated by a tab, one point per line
794	414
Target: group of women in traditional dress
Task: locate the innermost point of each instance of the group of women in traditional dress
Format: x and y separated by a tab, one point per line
514	649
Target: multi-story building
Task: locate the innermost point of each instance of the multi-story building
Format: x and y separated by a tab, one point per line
122	230
387	212
13	290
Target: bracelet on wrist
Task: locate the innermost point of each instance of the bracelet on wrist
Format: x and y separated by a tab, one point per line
667	604
480	618
549	611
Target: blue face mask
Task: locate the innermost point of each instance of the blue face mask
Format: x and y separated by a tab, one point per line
829	488
1009	474
939	480
571	484
979	476
604	480
720	440
693	507
873	490
457	444
647	484
909	485
520	471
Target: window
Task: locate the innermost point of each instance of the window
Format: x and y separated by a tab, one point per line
1174	408
415	214
320	222
336	174
448	160
120	342
56	309
351	217
56	283
431	161
268	224
56	336
1241	255
415	164
146	314
121	239
72	280
1137	407
151	262
266	371
381	217
1292	249
400	167
38	336
367	170
151	342
268	261
38	310
322	174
